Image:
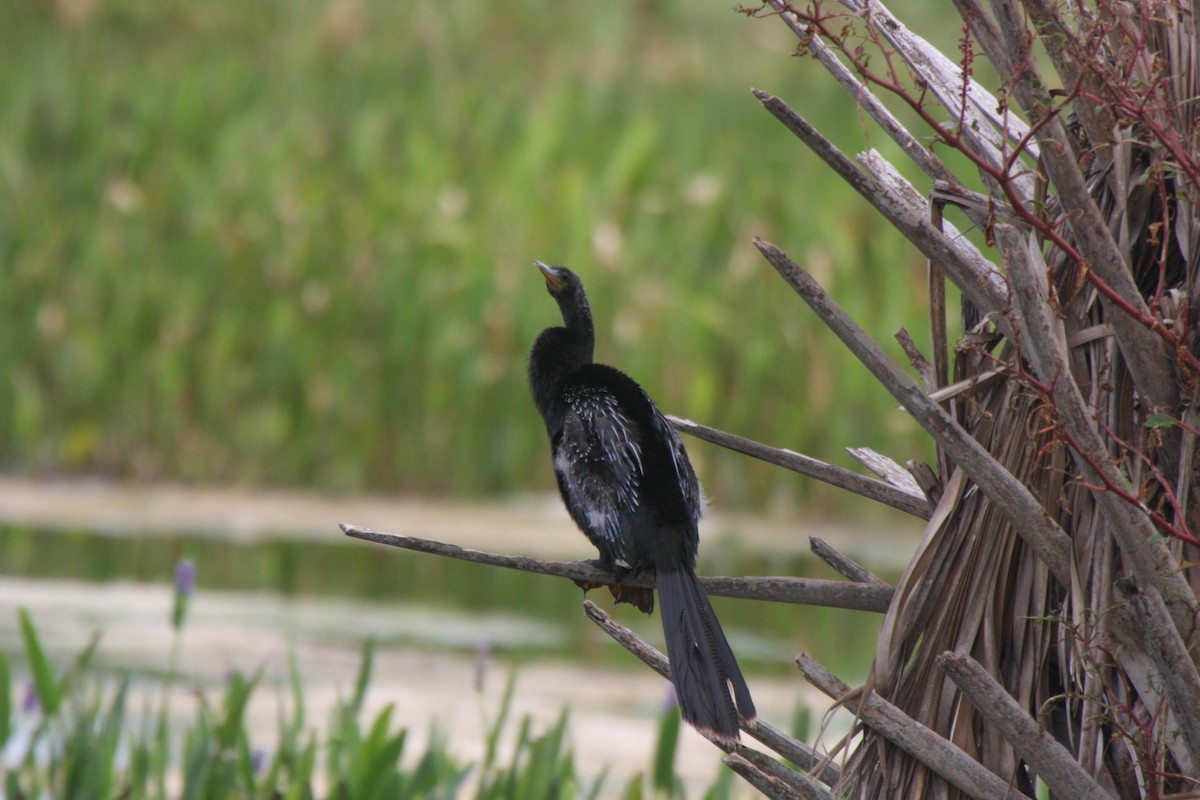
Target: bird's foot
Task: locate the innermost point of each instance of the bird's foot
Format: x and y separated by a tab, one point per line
642	597
588	585
639	596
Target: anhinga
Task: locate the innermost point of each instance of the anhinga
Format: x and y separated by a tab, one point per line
628	484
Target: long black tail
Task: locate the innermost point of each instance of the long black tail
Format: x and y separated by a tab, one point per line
702	665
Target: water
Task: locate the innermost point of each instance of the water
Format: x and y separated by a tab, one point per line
276	575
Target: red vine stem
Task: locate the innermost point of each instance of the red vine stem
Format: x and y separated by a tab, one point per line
1001	175
1106	484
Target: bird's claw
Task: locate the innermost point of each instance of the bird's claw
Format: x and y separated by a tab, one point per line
639	596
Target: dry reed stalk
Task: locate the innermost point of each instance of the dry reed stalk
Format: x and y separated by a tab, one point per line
1067	454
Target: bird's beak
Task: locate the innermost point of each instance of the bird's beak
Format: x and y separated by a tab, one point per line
552	279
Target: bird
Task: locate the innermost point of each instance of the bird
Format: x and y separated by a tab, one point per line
628	484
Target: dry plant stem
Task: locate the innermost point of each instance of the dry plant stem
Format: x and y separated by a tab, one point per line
979	279
1053	763
751	775
983	120
906	195
867	100
635	644
1044	339
1177	671
1139	334
944	758
747	772
766	784
967	385
909	502
1187	452
1009	495
973	204
980	213
918	360
784	782
1096	118
843	565
1144	676
940	336
795	751
980	126
980	123
802	591
887	469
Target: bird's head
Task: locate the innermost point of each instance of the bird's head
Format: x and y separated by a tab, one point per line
559	351
560	281
567	290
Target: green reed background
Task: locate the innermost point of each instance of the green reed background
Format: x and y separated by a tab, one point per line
291	242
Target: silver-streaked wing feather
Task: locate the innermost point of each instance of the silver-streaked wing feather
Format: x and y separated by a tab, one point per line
599	462
683	465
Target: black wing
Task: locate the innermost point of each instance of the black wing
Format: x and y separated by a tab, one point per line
598	462
692	493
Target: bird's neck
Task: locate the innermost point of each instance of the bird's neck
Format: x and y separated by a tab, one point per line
557	354
577	318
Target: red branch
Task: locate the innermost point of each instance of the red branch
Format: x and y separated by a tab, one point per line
1181	531
1002	175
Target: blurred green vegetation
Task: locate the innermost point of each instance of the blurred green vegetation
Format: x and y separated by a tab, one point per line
291	242
69	734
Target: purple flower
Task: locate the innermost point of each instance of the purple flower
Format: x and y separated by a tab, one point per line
29	701
185	577
669	699
257	759
185	584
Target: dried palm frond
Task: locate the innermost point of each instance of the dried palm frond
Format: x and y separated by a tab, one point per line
1089	355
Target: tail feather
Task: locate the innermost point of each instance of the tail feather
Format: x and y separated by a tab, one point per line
702	664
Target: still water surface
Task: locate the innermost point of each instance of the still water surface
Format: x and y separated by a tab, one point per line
276	575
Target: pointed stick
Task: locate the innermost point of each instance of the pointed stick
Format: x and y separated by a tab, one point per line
911	502
802	591
1010	496
792	749
1053	763
1139	333
943	757
979	279
771	778
1180	680
1156	569
841	563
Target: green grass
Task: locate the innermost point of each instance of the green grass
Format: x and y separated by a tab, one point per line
78	732
291	242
